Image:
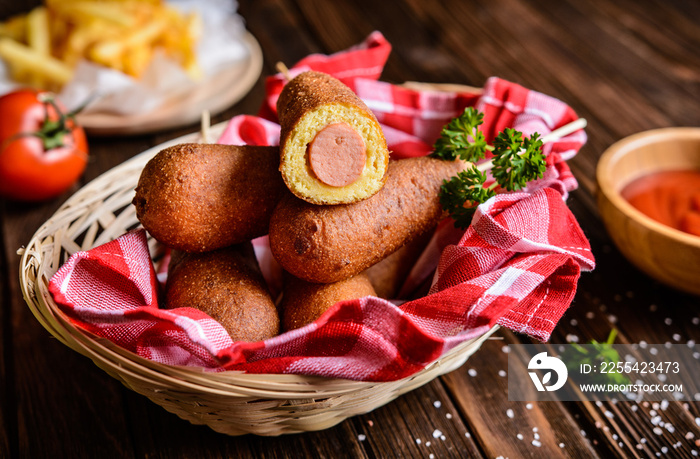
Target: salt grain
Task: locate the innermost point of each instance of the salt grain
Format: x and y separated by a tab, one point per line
448	415
676	337
505	349
664	449
664	405
361	437
510	413
612	318
638	446
535	429
502	373
467	434
658	431
609	415
561	445
571	338
427	443
643	344
668	321
690	343
528	406
574	322
472	372
436	433
431	456
536	436
520	436
670	427
696	320
590	315
418	441
443	438
689	436
437	403
536	443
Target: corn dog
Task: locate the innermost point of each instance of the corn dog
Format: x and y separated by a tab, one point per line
330	243
332	148
227	285
389	274
303	302
201	197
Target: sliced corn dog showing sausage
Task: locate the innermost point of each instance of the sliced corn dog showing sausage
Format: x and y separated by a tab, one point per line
332	148
330	243
227	285
201	197
303	302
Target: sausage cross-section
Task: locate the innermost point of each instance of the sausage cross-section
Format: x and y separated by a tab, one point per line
332	148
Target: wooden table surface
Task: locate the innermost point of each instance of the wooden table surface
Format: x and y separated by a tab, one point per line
625	66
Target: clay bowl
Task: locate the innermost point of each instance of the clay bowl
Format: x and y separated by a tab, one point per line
668	255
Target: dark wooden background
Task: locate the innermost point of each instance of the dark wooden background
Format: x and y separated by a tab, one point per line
625	66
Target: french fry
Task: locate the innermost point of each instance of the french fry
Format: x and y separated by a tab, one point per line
25	57
38	40
14	28
49	41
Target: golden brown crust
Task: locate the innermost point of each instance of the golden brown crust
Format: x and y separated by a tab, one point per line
330	243
389	274
304	302
310	90
201	197
227	285
307	104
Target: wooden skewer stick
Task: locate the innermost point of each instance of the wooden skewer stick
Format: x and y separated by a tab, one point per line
205	125
283	70
554	135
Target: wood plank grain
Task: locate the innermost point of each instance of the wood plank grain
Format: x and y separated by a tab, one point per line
508	428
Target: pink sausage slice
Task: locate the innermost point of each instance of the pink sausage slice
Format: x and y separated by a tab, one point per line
337	155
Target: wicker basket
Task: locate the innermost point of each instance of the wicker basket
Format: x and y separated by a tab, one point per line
232	403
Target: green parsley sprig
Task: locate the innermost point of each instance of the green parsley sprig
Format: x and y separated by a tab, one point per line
516	161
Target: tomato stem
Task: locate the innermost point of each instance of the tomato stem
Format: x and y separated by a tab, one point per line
53	132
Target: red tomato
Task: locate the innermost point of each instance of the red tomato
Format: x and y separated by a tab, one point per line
42	151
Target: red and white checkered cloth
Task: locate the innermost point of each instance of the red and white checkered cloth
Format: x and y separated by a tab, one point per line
517	265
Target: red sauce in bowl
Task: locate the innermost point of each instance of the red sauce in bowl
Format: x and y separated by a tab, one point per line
669	197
